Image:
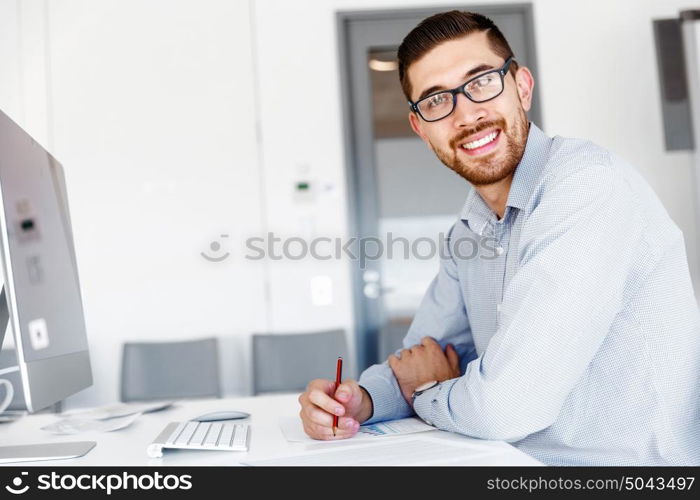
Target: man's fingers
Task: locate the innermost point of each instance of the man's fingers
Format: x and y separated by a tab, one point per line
428	342
325	402
452	356
319	424
317	431
345	392
323	419
347	427
318	407
319	417
347	424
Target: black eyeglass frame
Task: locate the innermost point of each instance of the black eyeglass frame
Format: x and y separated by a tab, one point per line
502	72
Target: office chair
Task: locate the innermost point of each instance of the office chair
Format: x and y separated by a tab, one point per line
288	362
391	337
170	370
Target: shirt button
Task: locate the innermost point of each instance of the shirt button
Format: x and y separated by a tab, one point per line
498	307
499	250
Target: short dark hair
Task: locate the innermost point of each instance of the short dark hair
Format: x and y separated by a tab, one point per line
444	27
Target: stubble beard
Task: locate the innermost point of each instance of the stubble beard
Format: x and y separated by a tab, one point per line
488	170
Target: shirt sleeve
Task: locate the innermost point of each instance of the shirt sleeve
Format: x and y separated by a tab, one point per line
441	315
577	253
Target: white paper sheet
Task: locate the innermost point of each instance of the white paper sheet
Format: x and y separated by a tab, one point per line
418	450
293	430
80	425
118	410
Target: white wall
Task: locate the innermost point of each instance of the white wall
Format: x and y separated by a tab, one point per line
143	108
146	103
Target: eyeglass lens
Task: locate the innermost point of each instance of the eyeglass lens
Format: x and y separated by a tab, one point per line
481	89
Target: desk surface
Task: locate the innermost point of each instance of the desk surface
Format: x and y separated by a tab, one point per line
128	446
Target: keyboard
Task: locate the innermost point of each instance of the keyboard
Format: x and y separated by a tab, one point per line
200	436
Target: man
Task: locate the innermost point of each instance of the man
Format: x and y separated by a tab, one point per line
578	338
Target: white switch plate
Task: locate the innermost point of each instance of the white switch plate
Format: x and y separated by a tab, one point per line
38	334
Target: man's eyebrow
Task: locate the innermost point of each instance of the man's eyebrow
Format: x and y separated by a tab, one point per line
467	75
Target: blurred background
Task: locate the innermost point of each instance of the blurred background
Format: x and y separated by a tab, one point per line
188	127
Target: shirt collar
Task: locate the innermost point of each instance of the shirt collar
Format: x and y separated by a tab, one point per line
476	212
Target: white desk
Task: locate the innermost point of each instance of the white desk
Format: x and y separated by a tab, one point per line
128	446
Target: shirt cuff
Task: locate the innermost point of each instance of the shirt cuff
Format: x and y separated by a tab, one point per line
387	401
425	405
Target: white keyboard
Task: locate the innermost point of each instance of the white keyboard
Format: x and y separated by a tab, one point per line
200	436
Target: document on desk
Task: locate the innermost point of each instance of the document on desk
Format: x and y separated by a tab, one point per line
80	425
293	430
410	450
118	410
104	419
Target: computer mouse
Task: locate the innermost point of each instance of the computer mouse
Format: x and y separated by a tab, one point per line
221	415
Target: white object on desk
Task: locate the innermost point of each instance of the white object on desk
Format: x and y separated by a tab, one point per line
415	450
46	451
200	436
293	429
221	415
104	419
119	410
73	425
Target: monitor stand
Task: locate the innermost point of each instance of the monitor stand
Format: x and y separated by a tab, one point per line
43	451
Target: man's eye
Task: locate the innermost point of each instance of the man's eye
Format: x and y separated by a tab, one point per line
437	100
482	82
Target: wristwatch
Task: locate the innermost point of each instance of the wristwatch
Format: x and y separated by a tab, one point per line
424	387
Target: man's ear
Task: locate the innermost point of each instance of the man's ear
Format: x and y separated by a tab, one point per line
415	122
524	82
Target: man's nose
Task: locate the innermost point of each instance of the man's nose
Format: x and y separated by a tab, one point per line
467	113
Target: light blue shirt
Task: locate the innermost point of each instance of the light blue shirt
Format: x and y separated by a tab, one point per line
576	324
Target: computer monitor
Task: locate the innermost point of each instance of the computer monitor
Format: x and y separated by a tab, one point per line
40	300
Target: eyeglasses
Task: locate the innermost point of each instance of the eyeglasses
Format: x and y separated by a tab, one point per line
481	88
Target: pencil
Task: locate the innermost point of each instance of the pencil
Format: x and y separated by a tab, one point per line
338	375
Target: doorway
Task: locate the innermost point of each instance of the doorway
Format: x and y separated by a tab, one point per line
402	199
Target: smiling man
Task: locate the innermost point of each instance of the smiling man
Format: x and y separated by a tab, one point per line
577	338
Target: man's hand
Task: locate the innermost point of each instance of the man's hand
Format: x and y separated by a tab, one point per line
423	363
318	405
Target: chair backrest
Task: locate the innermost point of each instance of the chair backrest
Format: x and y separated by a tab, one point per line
288	362
169	370
391	337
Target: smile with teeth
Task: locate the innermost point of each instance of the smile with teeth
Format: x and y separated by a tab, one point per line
480	142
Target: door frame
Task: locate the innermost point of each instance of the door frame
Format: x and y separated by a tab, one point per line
361	173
